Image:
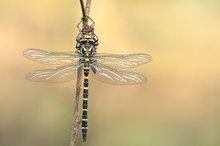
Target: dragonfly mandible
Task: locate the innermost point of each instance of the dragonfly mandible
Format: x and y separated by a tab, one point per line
109	68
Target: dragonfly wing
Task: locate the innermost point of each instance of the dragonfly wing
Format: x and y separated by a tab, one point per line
51	58
55	75
122	61
113	76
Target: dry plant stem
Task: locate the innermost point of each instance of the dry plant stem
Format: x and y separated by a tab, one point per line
76	118
83	8
88	5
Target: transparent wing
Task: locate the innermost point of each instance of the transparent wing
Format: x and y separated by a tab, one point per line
112	76
55	75
122	61
51	58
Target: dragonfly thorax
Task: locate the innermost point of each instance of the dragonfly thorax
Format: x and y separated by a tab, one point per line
87	43
87	50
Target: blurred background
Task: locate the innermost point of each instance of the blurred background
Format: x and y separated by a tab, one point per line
179	106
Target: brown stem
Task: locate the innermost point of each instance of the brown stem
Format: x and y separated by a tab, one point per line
88	5
83	9
76	118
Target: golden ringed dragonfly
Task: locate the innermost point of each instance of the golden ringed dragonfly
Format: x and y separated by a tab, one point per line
109	68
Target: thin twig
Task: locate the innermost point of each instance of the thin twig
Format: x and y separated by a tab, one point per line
76	118
88	5
83	9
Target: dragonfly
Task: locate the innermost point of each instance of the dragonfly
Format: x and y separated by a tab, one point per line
108	68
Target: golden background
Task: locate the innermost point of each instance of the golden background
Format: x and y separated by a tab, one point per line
179	106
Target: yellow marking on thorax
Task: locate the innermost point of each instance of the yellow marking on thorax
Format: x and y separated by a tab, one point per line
87	59
85	98
87	37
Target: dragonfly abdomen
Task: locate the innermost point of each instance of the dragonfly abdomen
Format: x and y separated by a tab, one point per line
85	102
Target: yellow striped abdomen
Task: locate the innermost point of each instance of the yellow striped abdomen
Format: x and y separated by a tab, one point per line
85	99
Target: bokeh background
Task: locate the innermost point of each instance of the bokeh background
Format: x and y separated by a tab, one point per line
179	106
